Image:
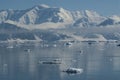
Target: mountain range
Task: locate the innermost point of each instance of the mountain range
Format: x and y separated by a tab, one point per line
41	20
45	17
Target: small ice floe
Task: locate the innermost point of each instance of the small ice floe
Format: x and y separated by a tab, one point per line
27	50
10	47
57	60
50	62
68	43
54	45
73	70
111	59
45	45
74	60
5	65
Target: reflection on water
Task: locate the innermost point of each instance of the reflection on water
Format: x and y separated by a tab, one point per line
100	61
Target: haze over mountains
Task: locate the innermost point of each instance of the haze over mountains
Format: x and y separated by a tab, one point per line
44	17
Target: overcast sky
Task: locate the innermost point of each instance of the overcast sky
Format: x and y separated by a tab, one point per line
104	7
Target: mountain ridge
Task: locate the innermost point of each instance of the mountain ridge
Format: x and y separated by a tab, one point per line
45	16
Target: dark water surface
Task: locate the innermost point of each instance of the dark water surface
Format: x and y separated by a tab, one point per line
100	61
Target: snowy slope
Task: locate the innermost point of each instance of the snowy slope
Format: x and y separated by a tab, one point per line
65	25
112	20
39	14
89	18
43	17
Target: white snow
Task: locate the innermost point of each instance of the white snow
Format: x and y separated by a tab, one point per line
74	70
29	17
64	14
93	16
45	17
37	38
43	5
115	18
95	37
3	16
92	37
47	25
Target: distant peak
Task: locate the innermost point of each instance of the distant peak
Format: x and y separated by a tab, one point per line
115	17
42	6
90	12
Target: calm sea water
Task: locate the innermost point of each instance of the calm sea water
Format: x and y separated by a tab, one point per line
100	61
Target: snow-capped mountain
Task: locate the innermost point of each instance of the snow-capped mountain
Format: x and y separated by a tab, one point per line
89	18
112	20
40	14
44	17
22	24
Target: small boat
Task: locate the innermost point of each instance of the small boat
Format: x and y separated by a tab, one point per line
73	71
